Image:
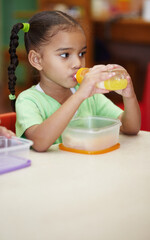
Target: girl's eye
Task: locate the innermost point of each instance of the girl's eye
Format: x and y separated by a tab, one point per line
82	54
65	55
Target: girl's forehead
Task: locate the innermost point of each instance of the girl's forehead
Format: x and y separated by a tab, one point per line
68	38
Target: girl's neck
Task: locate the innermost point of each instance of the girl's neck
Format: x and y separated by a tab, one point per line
55	91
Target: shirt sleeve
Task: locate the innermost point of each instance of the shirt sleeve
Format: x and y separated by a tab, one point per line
28	114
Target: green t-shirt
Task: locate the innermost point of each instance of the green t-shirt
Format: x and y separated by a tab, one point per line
33	107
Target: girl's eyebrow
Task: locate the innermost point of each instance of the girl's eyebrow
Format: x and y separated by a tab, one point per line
63	49
84	48
66	49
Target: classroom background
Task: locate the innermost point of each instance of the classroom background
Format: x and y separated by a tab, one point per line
118	31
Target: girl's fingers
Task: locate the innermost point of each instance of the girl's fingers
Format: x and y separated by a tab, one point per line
5	132
11	133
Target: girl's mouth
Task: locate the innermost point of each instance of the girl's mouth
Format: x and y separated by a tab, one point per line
74	77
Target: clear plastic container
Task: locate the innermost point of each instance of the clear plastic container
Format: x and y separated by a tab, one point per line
91	134
116	82
14	146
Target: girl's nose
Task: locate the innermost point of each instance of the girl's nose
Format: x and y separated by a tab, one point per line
76	62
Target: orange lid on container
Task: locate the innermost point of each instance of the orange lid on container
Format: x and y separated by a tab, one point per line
62	147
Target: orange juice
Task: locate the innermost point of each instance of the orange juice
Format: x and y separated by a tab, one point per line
113	84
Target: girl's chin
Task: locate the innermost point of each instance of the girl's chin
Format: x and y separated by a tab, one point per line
73	85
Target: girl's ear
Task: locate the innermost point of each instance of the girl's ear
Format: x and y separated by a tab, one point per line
35	59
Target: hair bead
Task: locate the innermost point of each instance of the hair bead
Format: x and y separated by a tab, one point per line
12	97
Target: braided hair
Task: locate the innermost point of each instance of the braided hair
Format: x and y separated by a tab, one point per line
43	26
13	61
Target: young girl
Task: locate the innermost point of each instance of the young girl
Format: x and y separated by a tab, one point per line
56	47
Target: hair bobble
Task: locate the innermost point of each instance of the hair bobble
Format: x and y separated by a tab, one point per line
12	97
26	27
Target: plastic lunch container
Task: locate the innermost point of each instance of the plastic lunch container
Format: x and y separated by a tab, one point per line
91	135
14	146
13	154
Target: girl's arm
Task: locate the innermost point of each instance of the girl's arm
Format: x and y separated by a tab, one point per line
131	117
46	133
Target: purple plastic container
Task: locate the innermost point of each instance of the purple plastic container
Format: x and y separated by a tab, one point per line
11	152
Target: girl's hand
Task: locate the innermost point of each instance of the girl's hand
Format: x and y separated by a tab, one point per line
96	74
129	90
5	132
